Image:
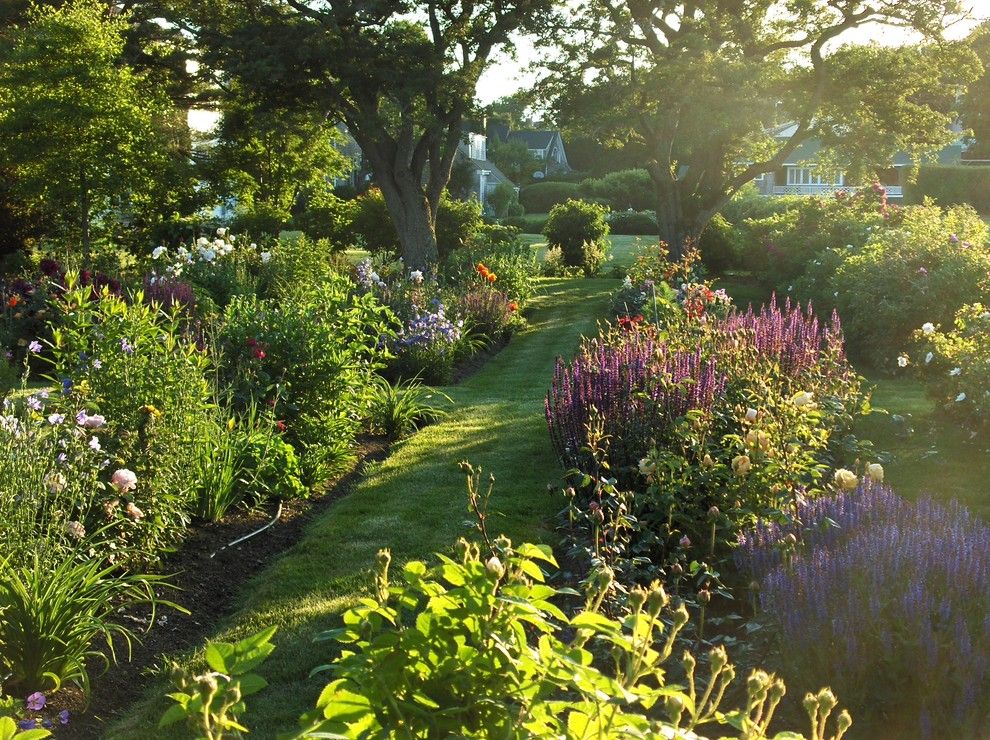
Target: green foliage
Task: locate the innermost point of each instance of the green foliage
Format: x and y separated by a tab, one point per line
621	190
53	614
924	270
457	224
503	196
295	263
511	259
695	98
581	231
78	127
514	159
634	223
494	603
718	245
950	186
133	365
540	197
323	216
260	220
396	409
211	703
309	354
953	362
10	731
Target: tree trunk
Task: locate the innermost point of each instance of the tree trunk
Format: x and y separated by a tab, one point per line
670	216
414	221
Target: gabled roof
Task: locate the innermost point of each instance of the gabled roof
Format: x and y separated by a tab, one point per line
533	139
494	173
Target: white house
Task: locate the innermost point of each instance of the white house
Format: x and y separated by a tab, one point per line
547	146
800	176
485	175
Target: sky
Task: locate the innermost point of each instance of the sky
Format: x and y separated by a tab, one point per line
506	74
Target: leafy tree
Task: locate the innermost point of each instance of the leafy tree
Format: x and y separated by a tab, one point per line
695	87
503	196
78	130
514	159
400	73
270	158
976	106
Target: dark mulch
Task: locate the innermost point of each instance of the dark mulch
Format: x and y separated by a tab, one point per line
210	577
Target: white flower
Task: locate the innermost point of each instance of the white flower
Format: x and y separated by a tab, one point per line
221	231
202	241
955	371
902	361
928	328
254	245
265	257
94	444
416	276
750	414
124	480
845	480
157	252
375	278
75	529
804	400
985	315
55	482
875	471
928	358
627	283
208	255
960	398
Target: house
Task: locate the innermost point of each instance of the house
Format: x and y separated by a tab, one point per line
799	175
485	175
547	146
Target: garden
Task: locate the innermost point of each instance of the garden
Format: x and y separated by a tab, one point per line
296	445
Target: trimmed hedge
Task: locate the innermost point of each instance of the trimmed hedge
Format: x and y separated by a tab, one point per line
621	190
950	186
530	223
633	223
540	197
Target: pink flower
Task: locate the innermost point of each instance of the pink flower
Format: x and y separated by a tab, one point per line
124	480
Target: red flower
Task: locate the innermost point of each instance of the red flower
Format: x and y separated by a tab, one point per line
513	306
14	300
280	425
260	354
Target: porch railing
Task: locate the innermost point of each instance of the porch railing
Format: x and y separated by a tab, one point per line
893	191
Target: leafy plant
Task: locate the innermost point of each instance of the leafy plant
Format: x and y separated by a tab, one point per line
581	230
395	409
52	615
212	702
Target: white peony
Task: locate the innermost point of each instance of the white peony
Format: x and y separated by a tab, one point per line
157	252
928	328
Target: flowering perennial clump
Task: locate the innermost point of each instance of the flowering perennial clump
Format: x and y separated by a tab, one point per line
870	591
638	386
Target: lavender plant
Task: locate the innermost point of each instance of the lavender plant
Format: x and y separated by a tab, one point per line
882	598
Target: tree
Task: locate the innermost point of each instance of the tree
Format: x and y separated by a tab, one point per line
400	73
78	130
271	158
514	159
976	106
696	86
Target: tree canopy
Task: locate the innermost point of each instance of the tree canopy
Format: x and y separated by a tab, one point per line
400	74
697	88
80	132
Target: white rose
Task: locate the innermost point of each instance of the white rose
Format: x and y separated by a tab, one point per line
221	231
875	471
960	398
902	361
928	328
750	414
804	399
266	257
157	252
955	371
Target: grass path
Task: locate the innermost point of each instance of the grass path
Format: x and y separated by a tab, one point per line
413	503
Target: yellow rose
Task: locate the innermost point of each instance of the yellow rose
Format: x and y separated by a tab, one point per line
845	480
875	471
757	440
741	465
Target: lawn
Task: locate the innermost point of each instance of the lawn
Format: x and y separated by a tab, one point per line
413	503
623	247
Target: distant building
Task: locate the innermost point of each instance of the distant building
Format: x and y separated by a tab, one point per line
799	175
546	146
485	175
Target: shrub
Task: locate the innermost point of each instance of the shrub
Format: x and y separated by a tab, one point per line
954	364
540	197
581	231
531	223
511	259
309	356
324	217
261	220
884	599
922	271
951	186
718	245
217	268
503	196
296	263
633	223
622	190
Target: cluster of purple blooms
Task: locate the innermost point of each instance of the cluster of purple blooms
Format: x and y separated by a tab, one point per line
638	387
880	592
35	703
795	339
430	329
367	277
